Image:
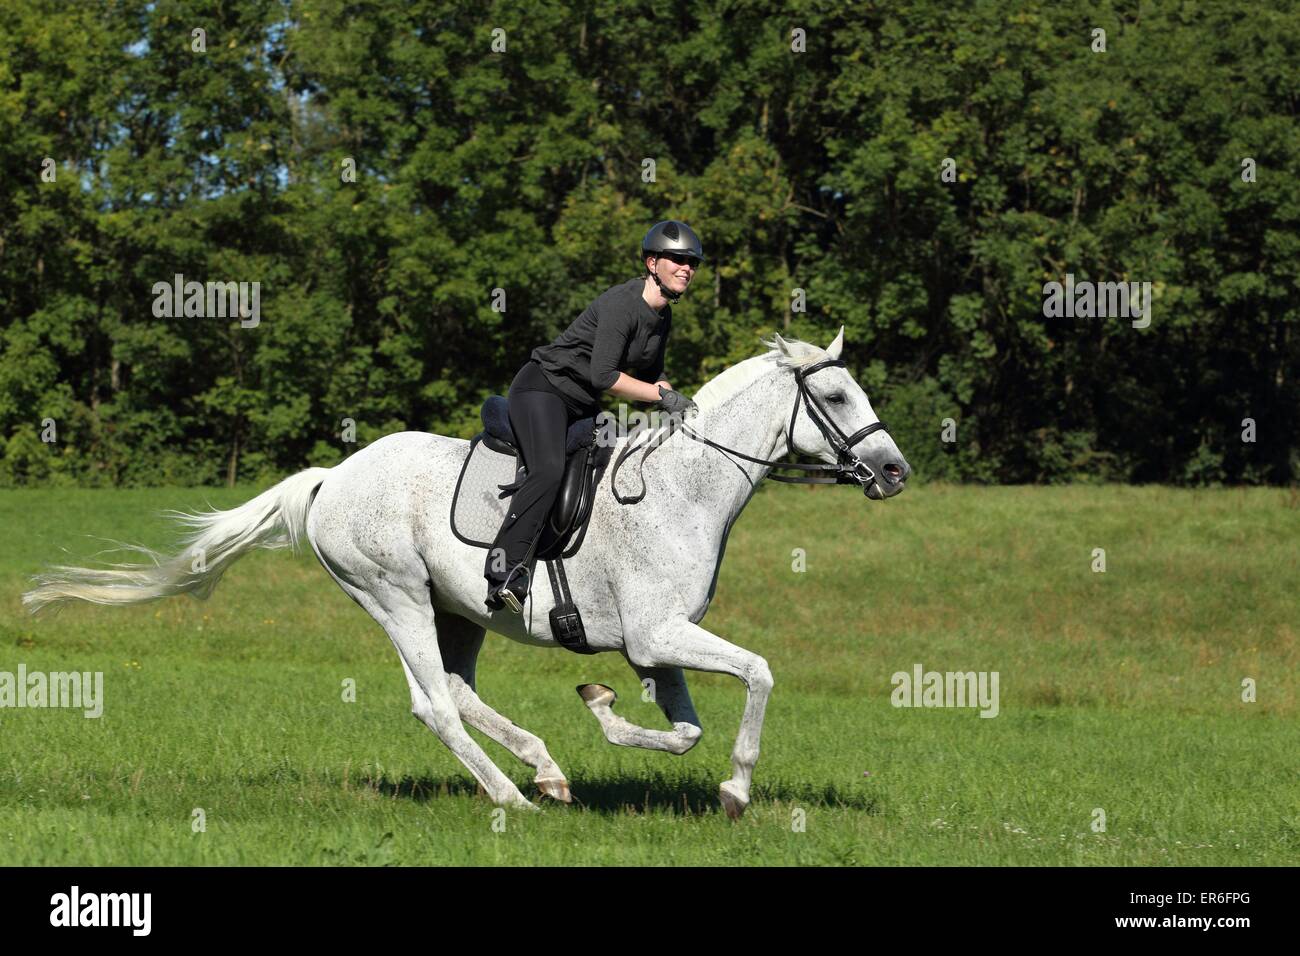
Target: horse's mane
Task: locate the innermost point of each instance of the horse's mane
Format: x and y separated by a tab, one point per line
732	380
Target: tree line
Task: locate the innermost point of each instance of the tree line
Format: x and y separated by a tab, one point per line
423	192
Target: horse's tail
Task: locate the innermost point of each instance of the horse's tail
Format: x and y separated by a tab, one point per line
276	518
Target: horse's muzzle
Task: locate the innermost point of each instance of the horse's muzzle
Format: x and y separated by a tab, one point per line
889	480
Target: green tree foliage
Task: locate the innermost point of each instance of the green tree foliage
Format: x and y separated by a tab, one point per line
504	146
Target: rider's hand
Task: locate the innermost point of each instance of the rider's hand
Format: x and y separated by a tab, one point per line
675	403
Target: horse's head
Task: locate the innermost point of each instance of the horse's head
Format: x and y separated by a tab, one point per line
838	426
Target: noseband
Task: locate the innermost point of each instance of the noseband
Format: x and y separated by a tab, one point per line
849	468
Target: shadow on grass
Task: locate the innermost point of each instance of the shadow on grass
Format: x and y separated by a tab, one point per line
621	794
699	795
423	789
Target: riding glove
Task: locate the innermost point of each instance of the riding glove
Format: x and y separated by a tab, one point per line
674	402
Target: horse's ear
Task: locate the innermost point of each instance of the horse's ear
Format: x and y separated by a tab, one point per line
834	349
783	345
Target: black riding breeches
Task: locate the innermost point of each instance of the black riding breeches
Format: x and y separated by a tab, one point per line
540	418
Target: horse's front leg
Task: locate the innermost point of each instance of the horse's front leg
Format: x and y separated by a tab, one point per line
679	643
667	688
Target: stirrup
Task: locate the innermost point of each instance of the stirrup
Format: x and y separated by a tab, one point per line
508	597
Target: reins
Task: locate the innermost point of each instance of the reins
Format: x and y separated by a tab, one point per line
849	468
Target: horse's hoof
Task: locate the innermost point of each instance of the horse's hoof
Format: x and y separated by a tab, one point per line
518	802
731	799
557	788
597	695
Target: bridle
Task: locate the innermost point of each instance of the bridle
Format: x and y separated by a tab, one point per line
849	468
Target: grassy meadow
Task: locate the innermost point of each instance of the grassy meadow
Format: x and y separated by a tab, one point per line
1119	691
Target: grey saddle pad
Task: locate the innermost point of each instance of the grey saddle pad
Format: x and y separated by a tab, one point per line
476	511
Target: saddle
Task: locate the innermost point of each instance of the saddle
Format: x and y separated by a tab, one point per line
572	505
494	470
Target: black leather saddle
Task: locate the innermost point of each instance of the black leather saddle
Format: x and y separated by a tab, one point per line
572	505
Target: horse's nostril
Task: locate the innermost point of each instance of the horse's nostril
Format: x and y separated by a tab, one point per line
893	471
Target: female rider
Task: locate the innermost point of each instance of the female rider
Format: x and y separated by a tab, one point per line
625	329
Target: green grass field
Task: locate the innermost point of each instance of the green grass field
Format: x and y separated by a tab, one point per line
1119	690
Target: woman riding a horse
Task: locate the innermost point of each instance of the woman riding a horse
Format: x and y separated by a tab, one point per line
624	330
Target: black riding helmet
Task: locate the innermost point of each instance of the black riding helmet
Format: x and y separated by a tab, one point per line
671	235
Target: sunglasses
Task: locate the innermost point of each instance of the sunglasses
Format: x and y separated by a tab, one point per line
682	259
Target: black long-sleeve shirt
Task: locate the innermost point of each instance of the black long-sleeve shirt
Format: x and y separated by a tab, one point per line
617	332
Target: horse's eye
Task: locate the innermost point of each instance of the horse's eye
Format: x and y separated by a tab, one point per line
836	399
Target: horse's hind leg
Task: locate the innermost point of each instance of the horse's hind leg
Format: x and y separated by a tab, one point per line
408	620
460	640
669	692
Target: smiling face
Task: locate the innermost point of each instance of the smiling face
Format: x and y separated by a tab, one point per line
675	270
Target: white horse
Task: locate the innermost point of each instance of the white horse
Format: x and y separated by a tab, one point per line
643	578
